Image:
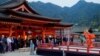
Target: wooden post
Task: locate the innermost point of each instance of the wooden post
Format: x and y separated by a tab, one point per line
43	34
68	37
88	49
24	34
54	33
10	30
60	35
77	50
63	37
99	52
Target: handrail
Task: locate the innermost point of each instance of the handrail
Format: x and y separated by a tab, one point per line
78	50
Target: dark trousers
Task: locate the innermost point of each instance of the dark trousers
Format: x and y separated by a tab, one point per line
1	48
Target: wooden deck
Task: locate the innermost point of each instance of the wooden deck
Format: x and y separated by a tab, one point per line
77	50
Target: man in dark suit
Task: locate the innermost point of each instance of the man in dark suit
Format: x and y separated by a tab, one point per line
3	44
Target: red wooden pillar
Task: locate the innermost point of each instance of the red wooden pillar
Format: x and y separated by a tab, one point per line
10	30
43	34
23	35
54	34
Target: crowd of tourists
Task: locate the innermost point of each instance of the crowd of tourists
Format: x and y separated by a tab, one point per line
11	43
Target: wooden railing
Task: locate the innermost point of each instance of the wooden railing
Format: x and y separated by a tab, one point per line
66	48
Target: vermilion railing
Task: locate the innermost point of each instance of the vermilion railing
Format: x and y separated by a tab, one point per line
68	48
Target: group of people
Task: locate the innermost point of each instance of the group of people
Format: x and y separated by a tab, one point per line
12	43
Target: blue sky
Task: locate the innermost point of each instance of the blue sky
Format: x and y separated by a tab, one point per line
63	3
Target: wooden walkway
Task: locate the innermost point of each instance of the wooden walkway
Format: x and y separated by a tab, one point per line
75	49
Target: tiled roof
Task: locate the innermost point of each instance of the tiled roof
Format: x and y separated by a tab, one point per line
39	17
79	29
5	11
3	1
4	17
11	3
97	33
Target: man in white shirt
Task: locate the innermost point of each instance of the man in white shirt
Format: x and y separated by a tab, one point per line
9	43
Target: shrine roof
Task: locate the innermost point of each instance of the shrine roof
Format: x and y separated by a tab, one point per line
33	16
59	25
79	29
6	9
4	17
11	3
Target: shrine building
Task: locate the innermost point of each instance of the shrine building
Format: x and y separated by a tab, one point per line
18	18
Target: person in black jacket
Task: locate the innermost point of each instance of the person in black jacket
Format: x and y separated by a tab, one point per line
34	42
3	44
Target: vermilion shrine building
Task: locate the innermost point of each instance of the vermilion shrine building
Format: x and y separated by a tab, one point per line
17	18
